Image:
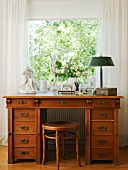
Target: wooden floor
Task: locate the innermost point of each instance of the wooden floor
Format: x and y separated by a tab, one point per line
69	164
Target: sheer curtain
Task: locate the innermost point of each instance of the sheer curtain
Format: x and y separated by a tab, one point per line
114	42
13	53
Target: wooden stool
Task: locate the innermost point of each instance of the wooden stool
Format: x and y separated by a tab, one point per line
57	128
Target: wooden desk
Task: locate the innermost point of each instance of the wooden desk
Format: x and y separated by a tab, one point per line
26	112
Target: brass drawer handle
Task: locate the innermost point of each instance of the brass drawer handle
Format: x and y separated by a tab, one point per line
104	102
102	142
102	115
63	102
24	127
22	102
24	141
23	114
102	155
102	128
24	152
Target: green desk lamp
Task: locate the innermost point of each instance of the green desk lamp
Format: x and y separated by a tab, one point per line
101	61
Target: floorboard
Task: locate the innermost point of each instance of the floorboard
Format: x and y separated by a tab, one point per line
69	164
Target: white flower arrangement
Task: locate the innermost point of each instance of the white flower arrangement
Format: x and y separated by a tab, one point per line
72	68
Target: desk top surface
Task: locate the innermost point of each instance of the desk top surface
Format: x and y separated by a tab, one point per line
55	94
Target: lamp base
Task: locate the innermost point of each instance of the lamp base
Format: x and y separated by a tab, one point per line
106	91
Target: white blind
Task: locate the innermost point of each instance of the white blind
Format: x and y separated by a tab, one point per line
63	9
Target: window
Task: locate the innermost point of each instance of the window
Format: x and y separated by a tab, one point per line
72	41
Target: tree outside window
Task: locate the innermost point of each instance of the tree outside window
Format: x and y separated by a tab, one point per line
72	41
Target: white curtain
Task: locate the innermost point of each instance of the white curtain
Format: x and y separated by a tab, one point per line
13	53
113	41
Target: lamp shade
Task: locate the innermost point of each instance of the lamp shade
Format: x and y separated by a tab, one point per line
101	61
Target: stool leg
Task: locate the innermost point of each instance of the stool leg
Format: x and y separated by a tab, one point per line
57	149
63	145
44	147
77	145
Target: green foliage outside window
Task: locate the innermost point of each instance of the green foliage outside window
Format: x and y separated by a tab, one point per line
73	41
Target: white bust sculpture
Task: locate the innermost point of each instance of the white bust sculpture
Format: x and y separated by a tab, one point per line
28	84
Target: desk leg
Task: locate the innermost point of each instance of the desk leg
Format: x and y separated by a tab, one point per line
116	137
10	138
42	119
41	116
87	137
38	137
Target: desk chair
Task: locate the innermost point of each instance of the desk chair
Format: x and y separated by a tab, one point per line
63	128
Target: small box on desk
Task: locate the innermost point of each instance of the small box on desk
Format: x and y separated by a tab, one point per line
106	91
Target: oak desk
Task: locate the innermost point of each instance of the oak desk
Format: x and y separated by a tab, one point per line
26	112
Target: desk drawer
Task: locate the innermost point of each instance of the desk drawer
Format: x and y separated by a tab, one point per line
24	114
25	140
101	128
24	127
102	114
102	154
102	141
24	153
103	102
62	103
22	103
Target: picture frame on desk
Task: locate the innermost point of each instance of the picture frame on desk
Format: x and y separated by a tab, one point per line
66	88
83	88
90	90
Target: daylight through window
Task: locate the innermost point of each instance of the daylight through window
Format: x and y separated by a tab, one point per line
71	41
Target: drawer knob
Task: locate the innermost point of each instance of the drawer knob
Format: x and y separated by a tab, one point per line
24	141
102	155
22	102
104	102
9	133
102	115
102	142
102	128
23	114
24	152
24	127
62	102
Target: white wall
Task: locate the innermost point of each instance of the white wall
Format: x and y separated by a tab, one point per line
63	9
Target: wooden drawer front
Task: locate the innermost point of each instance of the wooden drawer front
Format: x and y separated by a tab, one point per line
24	114
22	103
102	141
24	128
100	114
100	128
62	103
103	102
24	153
25	140
102	154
